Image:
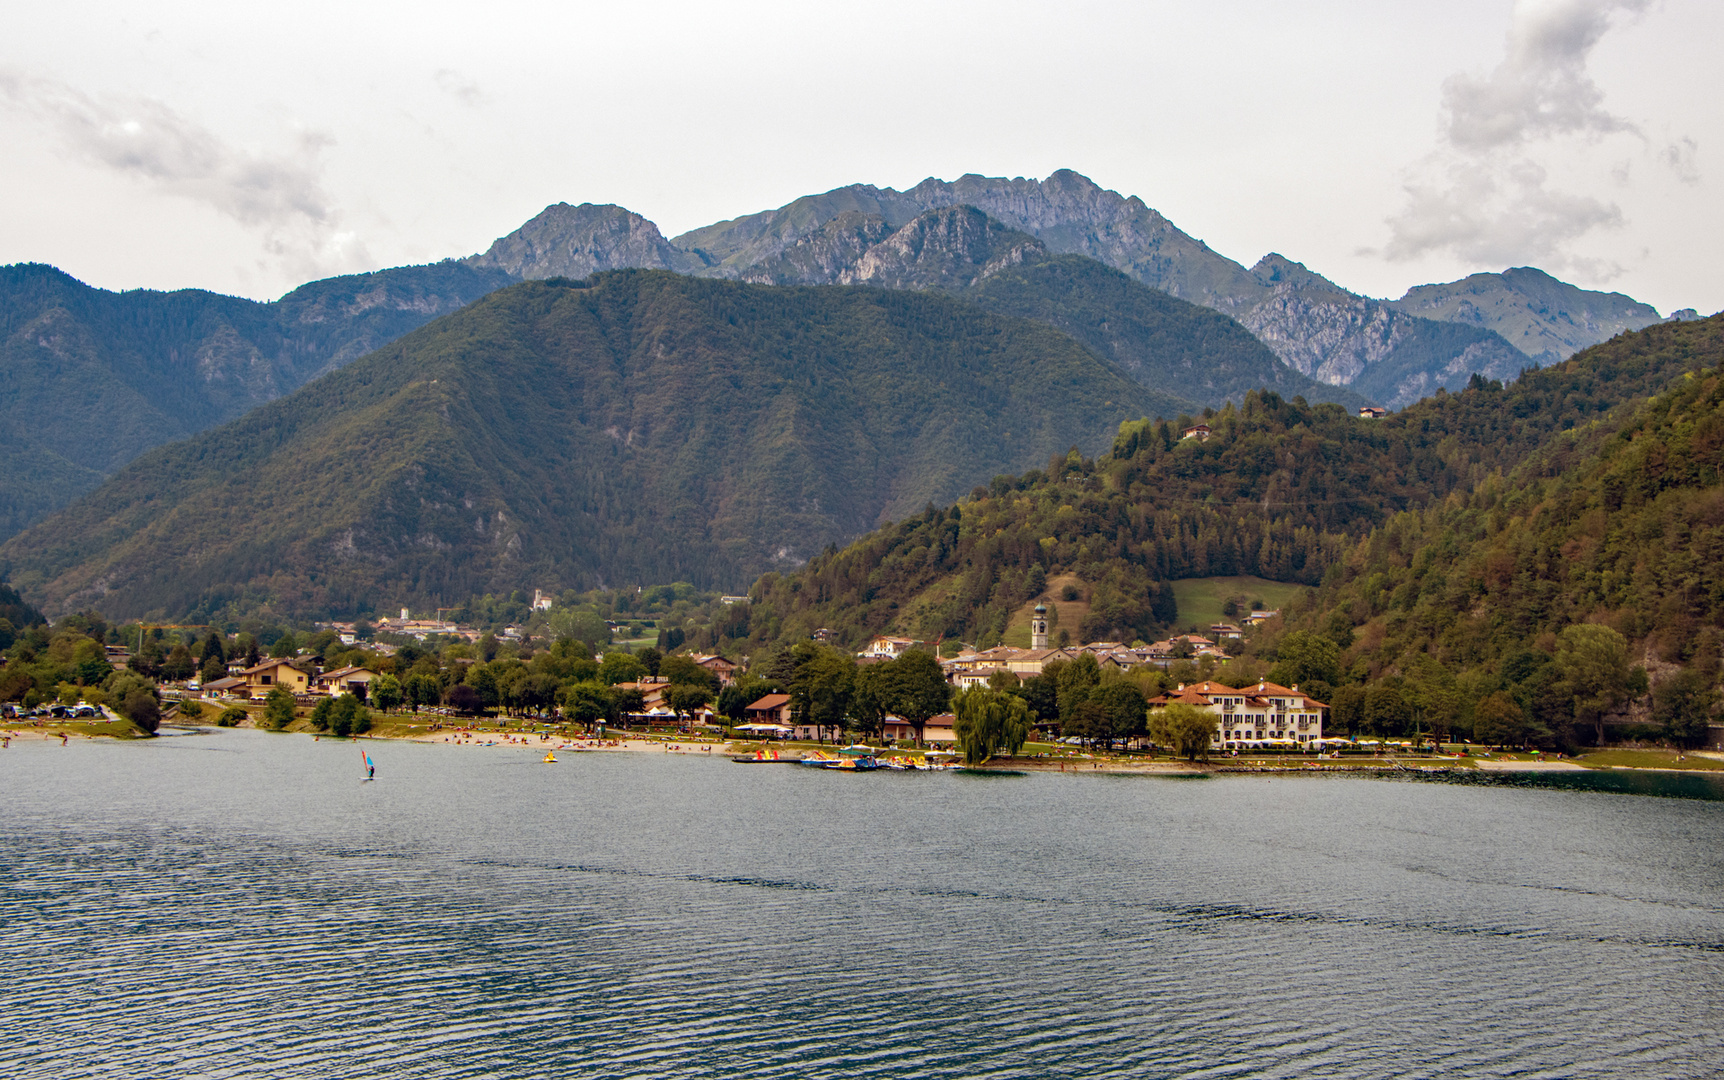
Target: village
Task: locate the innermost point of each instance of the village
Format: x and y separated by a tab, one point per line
1262	716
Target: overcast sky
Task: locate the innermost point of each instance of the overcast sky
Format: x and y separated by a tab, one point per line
249	147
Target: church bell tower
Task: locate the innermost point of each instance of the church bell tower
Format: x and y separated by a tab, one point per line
1039	628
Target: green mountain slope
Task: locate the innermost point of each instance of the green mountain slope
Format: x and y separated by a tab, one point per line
90	379
1278	491
641	427
1619	522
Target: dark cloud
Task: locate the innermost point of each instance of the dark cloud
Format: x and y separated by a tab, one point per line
278	194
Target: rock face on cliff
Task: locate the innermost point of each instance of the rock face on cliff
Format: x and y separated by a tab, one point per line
575	241
89	379
1068	212
1339	337
1170	345
1547	319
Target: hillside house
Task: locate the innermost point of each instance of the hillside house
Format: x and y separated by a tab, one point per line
264	677
771	709
1371	412
1200	432
719	666
230	686
889	647
1225	631
347	680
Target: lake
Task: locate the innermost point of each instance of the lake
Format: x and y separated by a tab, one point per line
238	904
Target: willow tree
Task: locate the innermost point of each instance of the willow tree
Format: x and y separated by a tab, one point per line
1185	728
987	721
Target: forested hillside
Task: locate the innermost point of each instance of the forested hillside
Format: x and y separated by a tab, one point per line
1610	537
641	427
1279	490
90	379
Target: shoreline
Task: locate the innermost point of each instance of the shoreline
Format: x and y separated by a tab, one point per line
635	744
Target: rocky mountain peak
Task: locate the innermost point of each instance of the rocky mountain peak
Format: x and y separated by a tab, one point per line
950	248
575	241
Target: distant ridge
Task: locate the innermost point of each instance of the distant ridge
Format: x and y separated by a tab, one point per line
90	379
638	427
1392	352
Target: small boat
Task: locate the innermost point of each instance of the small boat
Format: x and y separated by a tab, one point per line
769	757
860	763
370	767
550	757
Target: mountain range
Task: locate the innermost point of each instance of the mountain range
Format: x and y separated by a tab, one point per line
1394	351
638	426
89	380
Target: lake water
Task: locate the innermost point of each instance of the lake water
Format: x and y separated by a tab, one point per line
239	905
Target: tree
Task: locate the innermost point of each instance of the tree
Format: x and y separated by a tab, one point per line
214	668
278	708
285	647
347	716
1498	721
141	708
823	687
618	667
232	716
484	683
1593	661
179	665
686	699
1302	659
386	692
872	700
1184	728
464	699
1386	710
588	702
1043	692
1123	706
915	688
1684	704
320	714
422	690
987	721
213	649
1347	708
680	670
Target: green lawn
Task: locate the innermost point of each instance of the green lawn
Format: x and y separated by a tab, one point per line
1650	759
1201	599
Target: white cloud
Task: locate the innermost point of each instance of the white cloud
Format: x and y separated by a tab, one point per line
1486	194
1541	89
278	194
459	87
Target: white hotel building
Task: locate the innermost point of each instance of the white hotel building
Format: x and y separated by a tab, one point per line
1254	717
